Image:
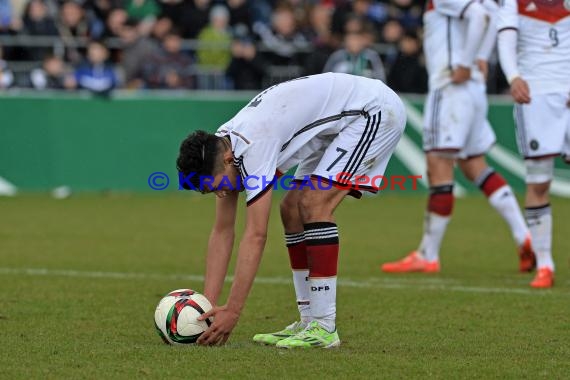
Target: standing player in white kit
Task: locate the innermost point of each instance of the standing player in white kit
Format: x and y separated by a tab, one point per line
459	37
326	124
534	50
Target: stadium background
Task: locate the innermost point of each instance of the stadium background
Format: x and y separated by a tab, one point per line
80	278
173	66
92	144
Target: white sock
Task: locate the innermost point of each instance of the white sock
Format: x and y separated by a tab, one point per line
323	301
301	282
539	221
434	229
504	201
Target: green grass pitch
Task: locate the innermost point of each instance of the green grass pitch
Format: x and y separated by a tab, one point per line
80	279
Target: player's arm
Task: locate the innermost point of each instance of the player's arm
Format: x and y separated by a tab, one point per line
250	250
249	256
476	17
220	246
489	38
507	25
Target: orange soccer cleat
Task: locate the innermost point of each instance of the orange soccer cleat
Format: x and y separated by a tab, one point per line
544	278
527	259
414	262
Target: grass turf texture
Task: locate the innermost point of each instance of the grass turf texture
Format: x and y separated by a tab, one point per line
477	319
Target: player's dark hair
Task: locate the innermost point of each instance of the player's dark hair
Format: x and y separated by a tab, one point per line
198	155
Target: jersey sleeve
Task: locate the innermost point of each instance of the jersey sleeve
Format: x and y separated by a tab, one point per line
453	8
257	167
490	36
224	129
508	17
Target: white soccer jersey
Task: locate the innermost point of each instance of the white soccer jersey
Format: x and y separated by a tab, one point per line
445	32
543	48
288	122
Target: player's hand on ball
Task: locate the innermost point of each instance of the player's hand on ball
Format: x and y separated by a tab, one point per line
224	322
520	91
460	75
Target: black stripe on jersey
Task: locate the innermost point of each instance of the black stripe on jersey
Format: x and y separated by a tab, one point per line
436	121
465	8
324	121
239	164
520	131
508	28
358	148
241	137
261	193
430	138
362	137
243	168
361	149
449	43
428	135
375	129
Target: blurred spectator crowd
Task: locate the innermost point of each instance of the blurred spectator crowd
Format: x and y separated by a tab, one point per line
100	45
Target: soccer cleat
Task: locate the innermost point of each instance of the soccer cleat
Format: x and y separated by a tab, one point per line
414	262
314	336
544	278
527	259
273	338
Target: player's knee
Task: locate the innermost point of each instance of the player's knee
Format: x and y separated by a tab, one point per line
439	169
313	208
288	208
538	191
473	167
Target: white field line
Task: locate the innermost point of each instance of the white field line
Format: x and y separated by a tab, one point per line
514	163
421	283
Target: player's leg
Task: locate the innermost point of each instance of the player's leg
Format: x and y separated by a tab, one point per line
438	213
447	121
351	154
541	130
297	248
439	208
322	245
539	217
502	199
321	234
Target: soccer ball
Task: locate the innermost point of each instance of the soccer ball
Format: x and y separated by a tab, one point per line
175	316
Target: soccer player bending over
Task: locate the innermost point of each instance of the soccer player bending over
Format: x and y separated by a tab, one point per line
534	51
326	124
459	37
